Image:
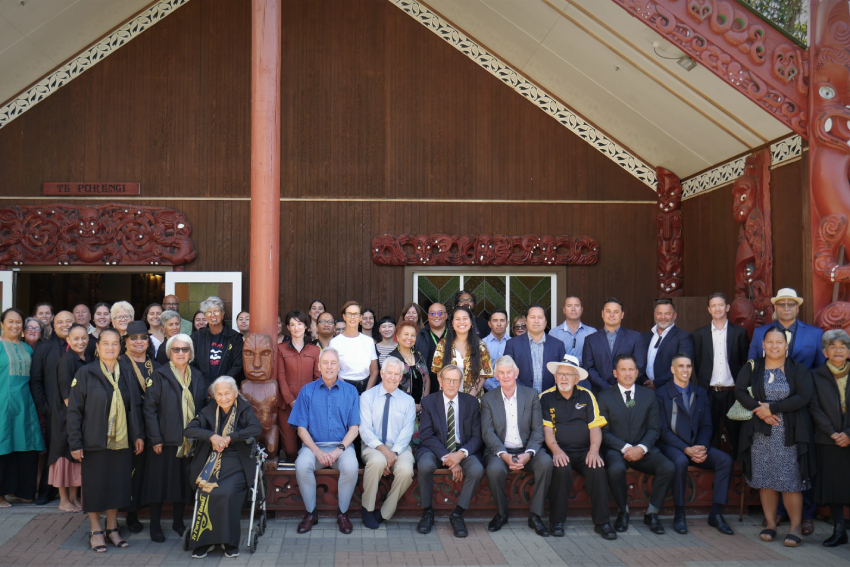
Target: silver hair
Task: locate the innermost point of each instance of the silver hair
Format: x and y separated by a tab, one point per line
448	367
331	350
222	380
833	335
183	338
393	361
505	360
168	315
121	306
210	302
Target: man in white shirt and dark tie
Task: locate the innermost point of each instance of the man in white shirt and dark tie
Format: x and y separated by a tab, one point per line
387	418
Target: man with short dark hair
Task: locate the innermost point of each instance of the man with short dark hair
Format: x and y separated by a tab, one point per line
629	437
465	298
496	341
602	347
429	336
685	438
532	351
663	341
573	332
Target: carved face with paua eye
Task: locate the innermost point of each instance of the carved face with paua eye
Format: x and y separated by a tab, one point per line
257	357
744	197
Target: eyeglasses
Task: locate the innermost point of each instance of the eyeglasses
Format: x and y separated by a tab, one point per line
437	313
326	322
347	314
786	304
175	304
138	337
520	327
451	380
179	349
468	300
123	318
213	313
32	329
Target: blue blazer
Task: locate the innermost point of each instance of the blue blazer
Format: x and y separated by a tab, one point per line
692	428
807	345
519	349
677	340
598	359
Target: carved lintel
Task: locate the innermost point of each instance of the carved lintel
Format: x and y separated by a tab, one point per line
737	46
670	245
484	250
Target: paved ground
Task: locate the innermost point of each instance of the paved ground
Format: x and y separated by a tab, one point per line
32	535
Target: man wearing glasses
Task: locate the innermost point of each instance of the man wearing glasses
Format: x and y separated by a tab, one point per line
573	332
218	348
172	303
429	336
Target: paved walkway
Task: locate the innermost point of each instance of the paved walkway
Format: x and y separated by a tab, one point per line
32	535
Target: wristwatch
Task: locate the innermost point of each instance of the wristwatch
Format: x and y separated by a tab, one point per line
341	447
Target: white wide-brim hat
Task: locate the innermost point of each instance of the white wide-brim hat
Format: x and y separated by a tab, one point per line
787	293
568	361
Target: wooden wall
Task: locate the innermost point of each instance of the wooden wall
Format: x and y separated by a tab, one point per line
378	115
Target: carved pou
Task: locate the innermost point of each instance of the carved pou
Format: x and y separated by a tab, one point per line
261	389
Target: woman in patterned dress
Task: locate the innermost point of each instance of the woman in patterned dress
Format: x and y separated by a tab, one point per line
463	347
776	443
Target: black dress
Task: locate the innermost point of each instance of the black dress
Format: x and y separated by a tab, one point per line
146	369
412	381
219	511
106	473
831	483
166	474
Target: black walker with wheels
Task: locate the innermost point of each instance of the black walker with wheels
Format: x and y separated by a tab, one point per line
257	494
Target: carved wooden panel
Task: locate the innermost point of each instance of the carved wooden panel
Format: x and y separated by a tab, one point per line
484	250
671	263
112	234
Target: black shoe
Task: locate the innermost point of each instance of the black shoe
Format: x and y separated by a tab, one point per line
230	551
133	524
718	522
654	523
179	528
458	525
369	519
838	537
378	517
497	522
157	535
427	521
46	497
556	529
606	531
536	524
621	524
201	552
680	525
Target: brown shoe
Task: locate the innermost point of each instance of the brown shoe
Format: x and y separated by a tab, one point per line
308	522
808	527
344	523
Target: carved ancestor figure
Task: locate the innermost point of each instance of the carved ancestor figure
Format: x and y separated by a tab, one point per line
261	389
754	259
670	249
829	160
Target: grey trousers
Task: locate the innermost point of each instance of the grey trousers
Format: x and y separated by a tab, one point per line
307	463
473	473
497	475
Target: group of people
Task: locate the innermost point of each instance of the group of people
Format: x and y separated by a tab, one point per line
136	413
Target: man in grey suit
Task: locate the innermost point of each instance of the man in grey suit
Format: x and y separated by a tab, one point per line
512	429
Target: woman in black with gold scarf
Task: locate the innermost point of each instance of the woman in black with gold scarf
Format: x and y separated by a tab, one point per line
103	434
174	395
222	467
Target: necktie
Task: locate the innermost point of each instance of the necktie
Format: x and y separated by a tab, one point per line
629	402
657	343
451	442
385	420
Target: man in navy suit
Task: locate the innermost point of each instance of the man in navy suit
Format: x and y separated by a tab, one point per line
603	346
450	435
804	344
533	351
685	437
663	342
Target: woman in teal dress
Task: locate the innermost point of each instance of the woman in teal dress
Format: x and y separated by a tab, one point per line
22	442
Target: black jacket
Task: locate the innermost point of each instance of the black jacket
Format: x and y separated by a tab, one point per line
201	429
127	368
88	409
231	355
426	344
692	427
825	407
676	341
794	410
164	408
639	425
45	362
69	364
432	425
737	345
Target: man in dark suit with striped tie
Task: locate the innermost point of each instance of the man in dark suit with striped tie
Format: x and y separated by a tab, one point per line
450	437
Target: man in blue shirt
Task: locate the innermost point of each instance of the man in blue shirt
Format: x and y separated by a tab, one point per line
496	341
572	332
387	415
327	415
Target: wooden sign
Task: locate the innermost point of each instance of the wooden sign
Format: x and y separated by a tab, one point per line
92	189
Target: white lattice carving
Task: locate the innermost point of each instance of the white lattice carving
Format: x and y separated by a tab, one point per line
85	60
532	92
786	150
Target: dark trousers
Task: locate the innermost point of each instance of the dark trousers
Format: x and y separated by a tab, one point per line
497	475
595	484
716	460
654	463
719	403
428	462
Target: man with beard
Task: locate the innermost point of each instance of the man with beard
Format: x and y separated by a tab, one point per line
664	341
429	336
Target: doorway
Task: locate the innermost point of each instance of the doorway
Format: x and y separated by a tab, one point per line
64	290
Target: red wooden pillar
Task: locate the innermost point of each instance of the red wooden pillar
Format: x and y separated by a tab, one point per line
829	160
671	264
265	165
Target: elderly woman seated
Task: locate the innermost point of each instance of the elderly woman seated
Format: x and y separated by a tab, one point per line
222	467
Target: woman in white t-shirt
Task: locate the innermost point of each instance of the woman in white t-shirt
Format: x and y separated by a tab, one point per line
358	360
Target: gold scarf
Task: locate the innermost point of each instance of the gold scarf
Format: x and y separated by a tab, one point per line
188	405
840	375
116	433
212	468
